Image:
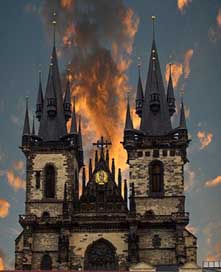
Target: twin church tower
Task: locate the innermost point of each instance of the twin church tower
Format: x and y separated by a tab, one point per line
103	222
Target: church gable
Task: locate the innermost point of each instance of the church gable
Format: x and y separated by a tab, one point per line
102	193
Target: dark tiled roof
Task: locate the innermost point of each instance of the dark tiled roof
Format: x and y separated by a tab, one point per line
155	123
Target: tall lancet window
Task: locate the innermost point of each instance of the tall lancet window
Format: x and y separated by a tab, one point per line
156	174
49	181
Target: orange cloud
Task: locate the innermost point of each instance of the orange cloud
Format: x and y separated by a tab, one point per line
176	71
187	58
182	4
15	181
204	138
2	266
66	4
4	207
213	182
218	18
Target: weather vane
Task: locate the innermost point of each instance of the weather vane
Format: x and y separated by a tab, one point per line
54	25
153	22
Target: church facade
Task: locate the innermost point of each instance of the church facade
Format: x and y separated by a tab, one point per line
104	222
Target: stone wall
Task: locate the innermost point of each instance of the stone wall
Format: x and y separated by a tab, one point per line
173	180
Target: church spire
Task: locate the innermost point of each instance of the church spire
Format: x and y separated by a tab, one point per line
139	95
128	122
155	114
182	116
40	100
52	124
26	128
170	94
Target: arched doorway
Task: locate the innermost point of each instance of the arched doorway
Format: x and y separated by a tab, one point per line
100	255
46	262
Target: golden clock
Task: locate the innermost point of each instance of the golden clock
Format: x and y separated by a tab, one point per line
101	177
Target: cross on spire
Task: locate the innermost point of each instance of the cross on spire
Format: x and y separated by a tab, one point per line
101	144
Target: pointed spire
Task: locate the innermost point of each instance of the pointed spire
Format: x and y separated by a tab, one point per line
52	124
155	118
73	120
128	122
33	125
67	99
125	191
182	116
26	128
113	169
170	94
107	158
119	181
79	135
90	168
40	100
83	180
139	95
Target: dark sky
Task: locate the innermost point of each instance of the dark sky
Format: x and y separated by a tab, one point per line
194	31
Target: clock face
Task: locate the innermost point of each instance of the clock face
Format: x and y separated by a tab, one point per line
101	177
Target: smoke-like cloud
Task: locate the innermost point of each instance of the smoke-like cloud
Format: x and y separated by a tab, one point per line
4	208
205	138
182	4
179	69
176	71
187	58
15	181
213	182
97	37
214	32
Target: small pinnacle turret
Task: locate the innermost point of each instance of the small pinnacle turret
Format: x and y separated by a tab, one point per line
40	100
33	126
26	128
139	95
182	117
67	99
73	120
128	121
170	95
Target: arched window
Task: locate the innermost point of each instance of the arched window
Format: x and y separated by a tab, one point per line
46	262
49	181
156	178
45	215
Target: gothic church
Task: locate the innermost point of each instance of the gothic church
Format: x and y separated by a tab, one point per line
104	222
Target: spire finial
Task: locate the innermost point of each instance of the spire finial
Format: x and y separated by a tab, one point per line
153	23
54	26
138	64
170	68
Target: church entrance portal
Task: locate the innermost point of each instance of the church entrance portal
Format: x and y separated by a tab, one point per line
100	255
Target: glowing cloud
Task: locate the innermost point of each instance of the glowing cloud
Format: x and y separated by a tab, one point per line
204	138
176	71
4	207
190	178
182	4
218	18
187	58
213	182
15	181
2	266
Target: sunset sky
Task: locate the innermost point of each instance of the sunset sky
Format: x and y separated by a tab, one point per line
188	34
